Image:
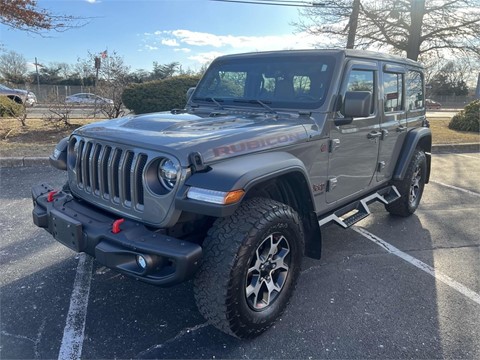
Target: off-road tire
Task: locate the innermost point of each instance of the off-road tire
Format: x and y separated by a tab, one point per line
232	245
411	187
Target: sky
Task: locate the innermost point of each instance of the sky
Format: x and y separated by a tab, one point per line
191	32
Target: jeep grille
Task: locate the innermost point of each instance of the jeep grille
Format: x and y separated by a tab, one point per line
111	173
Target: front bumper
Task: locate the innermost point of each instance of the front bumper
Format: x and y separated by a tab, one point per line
83	228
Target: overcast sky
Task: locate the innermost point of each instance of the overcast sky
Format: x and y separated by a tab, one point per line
191	32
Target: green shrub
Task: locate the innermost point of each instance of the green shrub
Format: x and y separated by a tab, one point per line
468	119
9	108
159	95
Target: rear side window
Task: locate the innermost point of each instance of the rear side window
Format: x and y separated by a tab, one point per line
415	97
393	92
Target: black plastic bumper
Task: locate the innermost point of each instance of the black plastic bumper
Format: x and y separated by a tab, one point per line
84	228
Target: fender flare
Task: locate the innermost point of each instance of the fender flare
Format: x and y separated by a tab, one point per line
419	137
242	172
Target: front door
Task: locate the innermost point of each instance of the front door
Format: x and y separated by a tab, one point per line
354	147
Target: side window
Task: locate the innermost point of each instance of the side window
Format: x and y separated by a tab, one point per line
363	80
393	92
415	98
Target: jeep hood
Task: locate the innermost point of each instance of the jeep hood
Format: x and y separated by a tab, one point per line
215	138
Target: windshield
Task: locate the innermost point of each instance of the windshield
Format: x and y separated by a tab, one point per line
280	81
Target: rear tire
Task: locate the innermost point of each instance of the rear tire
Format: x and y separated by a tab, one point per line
250	265
411	187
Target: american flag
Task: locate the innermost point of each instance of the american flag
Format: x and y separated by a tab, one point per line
103	54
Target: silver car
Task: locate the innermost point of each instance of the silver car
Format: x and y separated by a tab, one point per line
87	99
19	96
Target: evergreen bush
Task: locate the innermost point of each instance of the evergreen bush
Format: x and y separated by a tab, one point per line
9	108
158	95
468	119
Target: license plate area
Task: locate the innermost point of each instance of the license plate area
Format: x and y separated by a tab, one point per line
66	230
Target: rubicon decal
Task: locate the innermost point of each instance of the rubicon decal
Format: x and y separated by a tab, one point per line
262	143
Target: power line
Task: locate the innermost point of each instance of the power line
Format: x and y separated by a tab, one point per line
276	2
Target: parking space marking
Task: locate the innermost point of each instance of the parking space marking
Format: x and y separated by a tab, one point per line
472	295
456	188
74	332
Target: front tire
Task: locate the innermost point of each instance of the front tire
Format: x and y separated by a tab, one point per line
250	265
411	187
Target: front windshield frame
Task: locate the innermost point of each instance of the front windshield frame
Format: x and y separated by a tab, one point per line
279	81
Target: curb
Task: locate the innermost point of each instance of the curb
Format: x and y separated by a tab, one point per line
25	161
473	147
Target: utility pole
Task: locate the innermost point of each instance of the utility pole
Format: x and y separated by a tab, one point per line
477	92
38	76
98	62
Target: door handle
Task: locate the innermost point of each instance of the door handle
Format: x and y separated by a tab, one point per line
374	134
401	128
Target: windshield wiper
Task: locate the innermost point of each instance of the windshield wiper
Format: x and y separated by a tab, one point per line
256	101
211	99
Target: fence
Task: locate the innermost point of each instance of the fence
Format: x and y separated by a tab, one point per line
452	101
54	93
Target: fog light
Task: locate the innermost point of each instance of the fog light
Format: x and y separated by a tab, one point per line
142	262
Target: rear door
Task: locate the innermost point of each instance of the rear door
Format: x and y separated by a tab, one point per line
393	126
354	147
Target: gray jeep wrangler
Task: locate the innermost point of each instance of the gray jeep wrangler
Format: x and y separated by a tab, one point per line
233	190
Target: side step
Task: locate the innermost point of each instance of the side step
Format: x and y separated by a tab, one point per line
358	210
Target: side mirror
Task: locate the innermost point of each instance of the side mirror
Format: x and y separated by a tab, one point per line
357	104
190	92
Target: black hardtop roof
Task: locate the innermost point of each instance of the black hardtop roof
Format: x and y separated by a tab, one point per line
350	53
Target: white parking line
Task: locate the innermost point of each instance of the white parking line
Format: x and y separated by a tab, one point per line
456	188
74	331
472	295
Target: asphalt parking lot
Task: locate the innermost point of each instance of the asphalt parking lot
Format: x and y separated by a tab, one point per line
387	288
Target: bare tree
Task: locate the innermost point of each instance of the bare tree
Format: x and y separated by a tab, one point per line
410	27
114	77
332	17
164	71
13	67
27	16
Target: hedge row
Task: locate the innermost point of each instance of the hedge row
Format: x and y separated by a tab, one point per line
158	95
468	119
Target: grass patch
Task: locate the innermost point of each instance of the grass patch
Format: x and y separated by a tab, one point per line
39	137
443	135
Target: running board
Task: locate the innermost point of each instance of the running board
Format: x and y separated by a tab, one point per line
358	210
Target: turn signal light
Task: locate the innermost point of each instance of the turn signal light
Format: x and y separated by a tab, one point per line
215	196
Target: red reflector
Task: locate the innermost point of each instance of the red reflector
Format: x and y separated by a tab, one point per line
116	226
51	194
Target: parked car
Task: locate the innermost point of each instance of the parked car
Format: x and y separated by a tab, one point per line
87	99
431	104
18	95
234	189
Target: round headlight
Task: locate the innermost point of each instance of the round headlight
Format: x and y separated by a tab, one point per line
167	173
